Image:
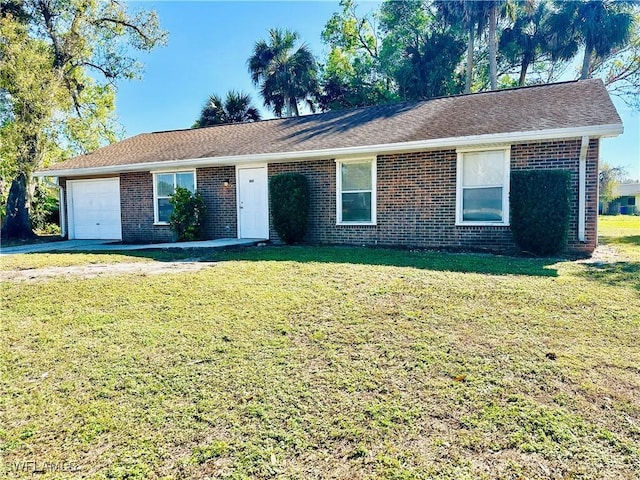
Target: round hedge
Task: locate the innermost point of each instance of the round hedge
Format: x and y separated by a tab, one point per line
540	209
289	203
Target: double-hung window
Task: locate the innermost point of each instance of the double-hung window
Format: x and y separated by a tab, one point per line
164	185
356	192
483	187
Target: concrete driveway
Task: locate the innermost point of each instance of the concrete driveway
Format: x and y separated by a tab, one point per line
111	245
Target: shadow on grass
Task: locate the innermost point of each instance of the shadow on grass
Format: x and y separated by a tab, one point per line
425	260
614	274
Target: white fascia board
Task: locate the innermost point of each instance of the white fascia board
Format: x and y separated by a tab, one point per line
336	153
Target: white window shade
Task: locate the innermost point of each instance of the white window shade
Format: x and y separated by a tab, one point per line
483	169
356	176
483	187
356	192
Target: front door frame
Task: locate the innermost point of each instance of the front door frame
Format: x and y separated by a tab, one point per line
265	194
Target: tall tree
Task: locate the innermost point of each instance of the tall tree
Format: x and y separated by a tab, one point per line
235	108
529	38
471	17
496	9
285	72
620	71
59	63
429	68
609	177
352	74
598	26
421	50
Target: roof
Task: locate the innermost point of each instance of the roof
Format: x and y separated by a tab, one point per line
570	107
628	189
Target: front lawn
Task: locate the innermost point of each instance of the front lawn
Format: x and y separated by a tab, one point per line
623	231
343	363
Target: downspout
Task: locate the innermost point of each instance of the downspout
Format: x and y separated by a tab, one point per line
582	188
63	210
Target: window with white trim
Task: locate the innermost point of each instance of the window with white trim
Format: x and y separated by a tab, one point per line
483	187
356	192
164	185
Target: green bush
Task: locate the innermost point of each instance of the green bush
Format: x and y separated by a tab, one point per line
540	208
289	199
188	215
44	211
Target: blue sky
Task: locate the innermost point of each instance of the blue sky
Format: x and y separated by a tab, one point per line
209	43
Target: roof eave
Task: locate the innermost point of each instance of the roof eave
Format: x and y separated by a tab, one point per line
611	130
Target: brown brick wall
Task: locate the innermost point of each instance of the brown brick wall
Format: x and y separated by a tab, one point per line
136	206
221	217
416	199
136	190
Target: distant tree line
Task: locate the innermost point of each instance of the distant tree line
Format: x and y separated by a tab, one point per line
420	49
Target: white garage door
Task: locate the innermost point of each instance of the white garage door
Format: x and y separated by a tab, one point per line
95	209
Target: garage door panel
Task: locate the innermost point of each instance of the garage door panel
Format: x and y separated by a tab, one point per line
96	209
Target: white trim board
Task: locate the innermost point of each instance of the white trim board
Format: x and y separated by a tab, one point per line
337	153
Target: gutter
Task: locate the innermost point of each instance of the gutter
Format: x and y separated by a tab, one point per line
61	205
582	188
611	130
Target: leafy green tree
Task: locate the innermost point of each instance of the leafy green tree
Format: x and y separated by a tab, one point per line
529	38
620	71
420	51
235	108
352	75
59	61
285	72
609	177
598	26
429	69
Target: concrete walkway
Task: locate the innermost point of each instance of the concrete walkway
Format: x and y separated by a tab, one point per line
110	245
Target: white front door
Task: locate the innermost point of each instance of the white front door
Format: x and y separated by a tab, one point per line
253	203
94	211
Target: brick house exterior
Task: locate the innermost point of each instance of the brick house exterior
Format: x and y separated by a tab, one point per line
417	194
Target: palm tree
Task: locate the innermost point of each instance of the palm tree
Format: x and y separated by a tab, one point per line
285	74
471	16
600	26
236	108
496	9
529	38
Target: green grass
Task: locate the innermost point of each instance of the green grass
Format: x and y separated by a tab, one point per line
326	363
610	226
57	259
623	231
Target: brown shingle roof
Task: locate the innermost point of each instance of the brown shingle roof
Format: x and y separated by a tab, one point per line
563	105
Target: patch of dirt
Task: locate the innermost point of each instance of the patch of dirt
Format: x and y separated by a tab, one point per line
104	269
604	254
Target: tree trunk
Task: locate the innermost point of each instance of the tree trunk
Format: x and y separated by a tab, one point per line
586	62
17	224
289	107
493	48
470	48
523	71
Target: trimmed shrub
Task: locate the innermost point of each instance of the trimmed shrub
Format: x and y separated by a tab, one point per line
540	208
289	201
188	215
44	210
